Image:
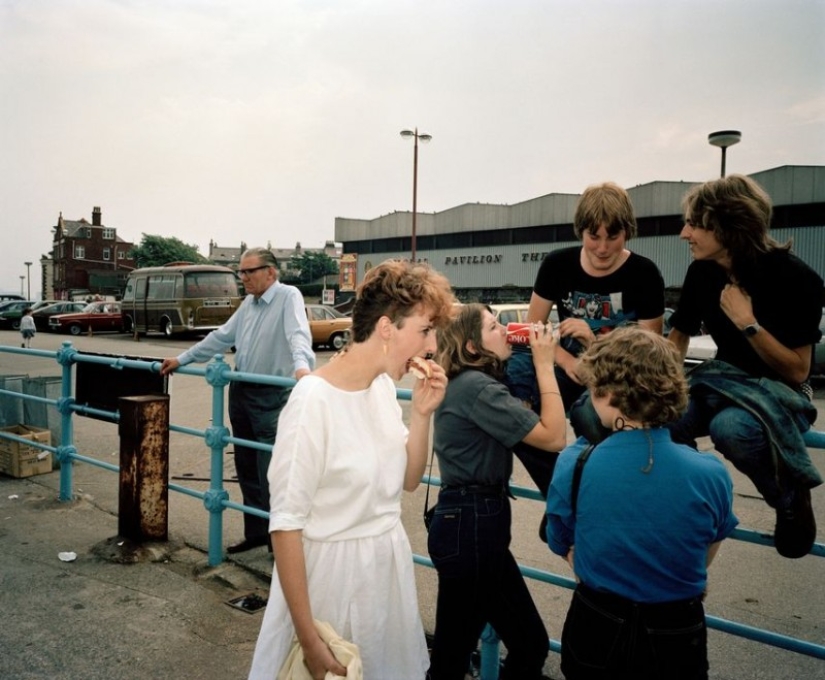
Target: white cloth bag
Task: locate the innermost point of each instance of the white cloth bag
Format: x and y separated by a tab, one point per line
345	652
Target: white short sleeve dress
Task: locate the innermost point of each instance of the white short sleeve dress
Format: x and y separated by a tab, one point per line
337	474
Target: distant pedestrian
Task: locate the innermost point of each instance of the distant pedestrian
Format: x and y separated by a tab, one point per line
27	328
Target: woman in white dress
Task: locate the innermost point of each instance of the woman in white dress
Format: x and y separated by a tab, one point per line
340	462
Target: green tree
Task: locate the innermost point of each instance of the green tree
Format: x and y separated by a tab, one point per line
311	266
156	251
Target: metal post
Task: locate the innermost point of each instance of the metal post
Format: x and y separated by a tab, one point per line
424	137
490	654
415	190
143	508
216	496
28	280
66	359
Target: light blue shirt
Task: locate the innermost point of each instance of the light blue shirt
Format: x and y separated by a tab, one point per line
271	335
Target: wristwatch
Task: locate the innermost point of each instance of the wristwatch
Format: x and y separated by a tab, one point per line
751	329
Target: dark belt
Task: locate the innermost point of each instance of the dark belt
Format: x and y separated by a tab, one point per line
616	603
258	386
481	489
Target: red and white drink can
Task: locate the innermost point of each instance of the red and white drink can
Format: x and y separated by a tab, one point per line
519	333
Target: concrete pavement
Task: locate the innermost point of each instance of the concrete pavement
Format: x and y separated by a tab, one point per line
95	618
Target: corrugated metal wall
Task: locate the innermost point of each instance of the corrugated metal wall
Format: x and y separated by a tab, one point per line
517	265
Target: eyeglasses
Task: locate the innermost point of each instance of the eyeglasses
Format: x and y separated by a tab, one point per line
252	270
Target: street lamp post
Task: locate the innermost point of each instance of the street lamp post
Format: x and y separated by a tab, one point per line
22	280
28	280
724	139
424	138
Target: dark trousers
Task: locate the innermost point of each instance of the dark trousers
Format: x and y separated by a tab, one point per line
607	637
253	412
479	582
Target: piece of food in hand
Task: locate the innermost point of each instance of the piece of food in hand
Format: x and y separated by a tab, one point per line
420	368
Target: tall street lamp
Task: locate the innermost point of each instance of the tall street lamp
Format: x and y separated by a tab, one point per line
28	280
424	138
724	139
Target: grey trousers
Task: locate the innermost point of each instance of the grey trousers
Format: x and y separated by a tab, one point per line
254	412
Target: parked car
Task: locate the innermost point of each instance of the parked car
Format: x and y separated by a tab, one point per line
510	313
99	316
517	313
700	347
328	326
10	314
41	316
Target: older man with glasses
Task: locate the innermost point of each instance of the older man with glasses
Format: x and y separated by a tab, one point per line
271	336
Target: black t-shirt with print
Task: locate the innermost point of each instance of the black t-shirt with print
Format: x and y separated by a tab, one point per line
787	301
635	291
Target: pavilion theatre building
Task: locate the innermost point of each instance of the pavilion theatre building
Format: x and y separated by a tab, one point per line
491	253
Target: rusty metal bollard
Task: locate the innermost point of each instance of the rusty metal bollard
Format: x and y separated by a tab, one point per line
143	508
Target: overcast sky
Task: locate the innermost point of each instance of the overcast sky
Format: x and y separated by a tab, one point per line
264	120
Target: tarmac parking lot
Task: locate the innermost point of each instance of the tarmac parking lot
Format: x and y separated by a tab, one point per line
93	619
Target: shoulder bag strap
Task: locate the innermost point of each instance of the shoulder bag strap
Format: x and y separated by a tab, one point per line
577	476
429	476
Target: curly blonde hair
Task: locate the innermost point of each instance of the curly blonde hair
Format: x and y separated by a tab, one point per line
641	371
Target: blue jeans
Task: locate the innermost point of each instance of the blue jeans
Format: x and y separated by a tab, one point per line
520	378
479	582
607	637
740	438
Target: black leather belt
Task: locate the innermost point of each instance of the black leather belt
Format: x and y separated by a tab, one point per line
258	386
488	489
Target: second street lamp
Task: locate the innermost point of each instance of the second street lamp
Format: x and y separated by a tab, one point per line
28	280
424	138
724	139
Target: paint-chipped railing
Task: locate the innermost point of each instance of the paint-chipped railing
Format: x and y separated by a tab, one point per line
218	374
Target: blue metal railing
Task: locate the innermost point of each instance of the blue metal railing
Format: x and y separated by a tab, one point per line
218	374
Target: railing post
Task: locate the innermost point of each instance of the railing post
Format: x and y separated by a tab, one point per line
65	357
490	654
216	376
143	504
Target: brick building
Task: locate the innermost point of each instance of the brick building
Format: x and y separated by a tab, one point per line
87	259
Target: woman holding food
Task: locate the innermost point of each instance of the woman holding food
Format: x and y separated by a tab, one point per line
340	462
476	427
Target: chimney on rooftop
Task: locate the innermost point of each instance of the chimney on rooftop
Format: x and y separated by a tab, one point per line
96	217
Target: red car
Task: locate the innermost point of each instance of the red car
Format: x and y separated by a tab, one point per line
99	316
41	316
